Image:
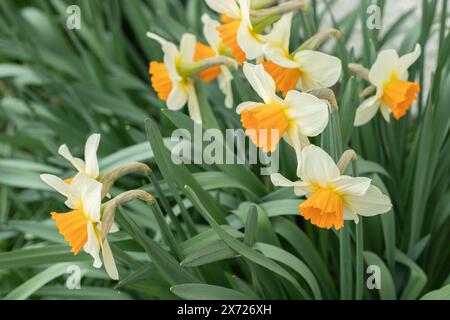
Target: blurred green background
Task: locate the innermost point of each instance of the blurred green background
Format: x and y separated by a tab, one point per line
58	86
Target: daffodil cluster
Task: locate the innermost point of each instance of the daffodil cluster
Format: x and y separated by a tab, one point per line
256	36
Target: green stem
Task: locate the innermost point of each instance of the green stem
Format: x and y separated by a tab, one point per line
345	262
166	205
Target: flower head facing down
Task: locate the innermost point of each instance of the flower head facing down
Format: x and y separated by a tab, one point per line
237	31
298	116
215	49
394	93
170	79
332	197
81	227
303	69
89	166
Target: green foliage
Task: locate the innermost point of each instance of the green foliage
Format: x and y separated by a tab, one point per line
219	231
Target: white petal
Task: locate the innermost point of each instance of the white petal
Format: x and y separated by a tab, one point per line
300	188
90	196
317	166
347	185
260	81
367	110
370	204
319	70
294	139
193	105
407	60
386	112
280	34
72	194
178	97
350	215
279	56
157	38
224	81
247	105
108	260
90	156
381	71
171	56
76	162
229	7
92	246
187	47
309	112
246	39
210	32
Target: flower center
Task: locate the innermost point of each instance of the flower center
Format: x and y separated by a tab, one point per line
399	95
324	209
73	227
228	34
265	125
285	78
160	79
203	52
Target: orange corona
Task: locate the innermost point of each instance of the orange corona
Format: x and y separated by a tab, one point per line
285	78
265	125
160	79
228	34
203	52
324	209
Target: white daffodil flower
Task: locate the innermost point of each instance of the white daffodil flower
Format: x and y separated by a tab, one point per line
394	93
237	30
332	197
298	116
81	227
303	69
167	78
215	49
88	166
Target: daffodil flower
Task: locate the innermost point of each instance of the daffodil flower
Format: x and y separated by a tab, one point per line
303	69
332	197
237	31
89	166
169	79
298	116
81	227
215	49
394	93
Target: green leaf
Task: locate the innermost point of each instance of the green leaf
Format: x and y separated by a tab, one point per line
192	291
440	294
242	249
282	256
30	286
212	252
